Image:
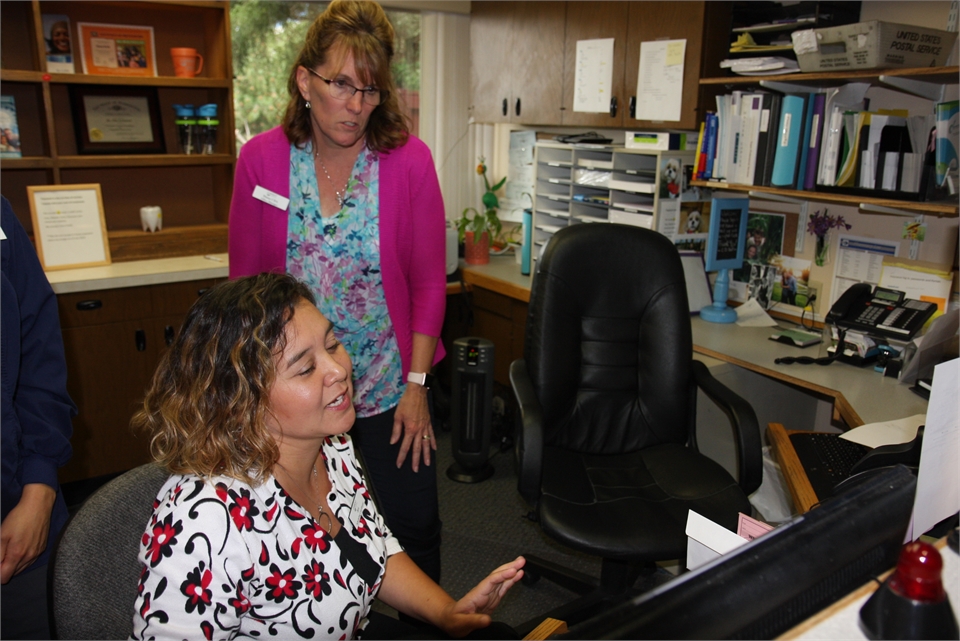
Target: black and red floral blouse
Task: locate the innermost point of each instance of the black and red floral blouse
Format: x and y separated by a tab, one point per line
222	559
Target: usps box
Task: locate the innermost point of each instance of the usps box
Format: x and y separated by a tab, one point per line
871	45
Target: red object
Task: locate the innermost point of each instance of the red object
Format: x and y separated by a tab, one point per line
46	77
918	573
476	253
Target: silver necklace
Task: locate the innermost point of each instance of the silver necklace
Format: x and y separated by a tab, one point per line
320	511
341	199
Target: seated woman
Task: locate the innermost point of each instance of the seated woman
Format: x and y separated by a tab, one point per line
265	527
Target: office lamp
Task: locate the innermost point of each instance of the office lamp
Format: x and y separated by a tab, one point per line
725	247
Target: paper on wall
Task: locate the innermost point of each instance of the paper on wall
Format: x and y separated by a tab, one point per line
593	79
859	260
660	80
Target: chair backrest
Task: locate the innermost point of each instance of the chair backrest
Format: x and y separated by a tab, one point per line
95	565
608	340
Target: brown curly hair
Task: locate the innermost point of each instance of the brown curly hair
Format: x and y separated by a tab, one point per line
363	29
205	409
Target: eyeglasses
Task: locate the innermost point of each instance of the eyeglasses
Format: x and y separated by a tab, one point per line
342	90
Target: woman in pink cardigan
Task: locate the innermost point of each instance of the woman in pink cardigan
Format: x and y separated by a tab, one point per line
342	197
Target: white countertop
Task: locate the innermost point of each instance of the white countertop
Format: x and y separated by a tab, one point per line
139	272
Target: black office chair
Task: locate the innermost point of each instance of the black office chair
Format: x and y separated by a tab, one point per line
607	388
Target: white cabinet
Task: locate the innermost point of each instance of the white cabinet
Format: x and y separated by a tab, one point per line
579	184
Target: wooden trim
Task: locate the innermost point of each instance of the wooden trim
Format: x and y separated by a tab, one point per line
935	208
17	75
188	240
496	285
144	160
547	629
940	75
804	498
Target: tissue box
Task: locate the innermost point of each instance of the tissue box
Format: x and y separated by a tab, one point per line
871	45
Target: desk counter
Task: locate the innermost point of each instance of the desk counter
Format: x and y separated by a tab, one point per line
138	272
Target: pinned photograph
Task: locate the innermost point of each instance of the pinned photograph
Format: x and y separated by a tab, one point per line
9	129
58	43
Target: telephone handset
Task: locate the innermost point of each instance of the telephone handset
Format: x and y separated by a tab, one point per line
880	311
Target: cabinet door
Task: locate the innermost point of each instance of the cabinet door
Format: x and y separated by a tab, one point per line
108	367
589	21
666	21
536	64
491	61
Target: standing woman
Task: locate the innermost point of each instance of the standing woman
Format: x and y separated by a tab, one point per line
345	199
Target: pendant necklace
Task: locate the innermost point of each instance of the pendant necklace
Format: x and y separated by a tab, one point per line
341	198
320	511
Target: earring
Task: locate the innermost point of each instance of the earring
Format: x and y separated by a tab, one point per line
307	104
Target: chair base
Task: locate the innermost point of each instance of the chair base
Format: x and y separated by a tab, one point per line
461	474
614	587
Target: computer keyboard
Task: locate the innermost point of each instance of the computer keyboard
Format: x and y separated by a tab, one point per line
826	458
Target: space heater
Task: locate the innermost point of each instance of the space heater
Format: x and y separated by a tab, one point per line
471	409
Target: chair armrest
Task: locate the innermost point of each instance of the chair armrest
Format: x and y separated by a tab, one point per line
745	424
529	447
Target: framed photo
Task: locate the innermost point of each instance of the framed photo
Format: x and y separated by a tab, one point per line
117	49
116	120
68	226
57	43
727	235
9	129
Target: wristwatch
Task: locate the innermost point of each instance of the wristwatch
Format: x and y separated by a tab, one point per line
420	378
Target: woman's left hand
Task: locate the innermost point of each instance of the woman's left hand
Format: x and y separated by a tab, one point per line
411	422
473	610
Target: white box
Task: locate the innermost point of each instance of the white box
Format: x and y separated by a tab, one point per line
629	218
871	45
661	140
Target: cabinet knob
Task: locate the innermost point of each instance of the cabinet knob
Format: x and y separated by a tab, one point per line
516	108
168	335
633	107
613	107
89	305
140	338
504	106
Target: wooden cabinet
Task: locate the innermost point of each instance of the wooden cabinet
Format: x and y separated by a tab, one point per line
516	61
113	341
500	319
527	52
193	190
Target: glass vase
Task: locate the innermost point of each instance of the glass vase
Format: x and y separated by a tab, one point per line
822	250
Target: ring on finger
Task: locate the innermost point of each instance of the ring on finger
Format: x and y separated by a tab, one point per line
426	437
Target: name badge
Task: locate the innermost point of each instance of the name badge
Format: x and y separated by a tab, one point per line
271	198
356	510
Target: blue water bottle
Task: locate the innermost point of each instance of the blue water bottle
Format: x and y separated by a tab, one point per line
527	242
207	125
186	122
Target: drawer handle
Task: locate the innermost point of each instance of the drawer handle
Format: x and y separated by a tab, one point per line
504	108
613	107
89	305
516	108
140	337
633	107
168	335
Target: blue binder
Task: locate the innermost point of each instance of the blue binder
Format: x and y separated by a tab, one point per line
787	159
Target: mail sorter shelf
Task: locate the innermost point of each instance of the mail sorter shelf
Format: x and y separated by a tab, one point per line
578	184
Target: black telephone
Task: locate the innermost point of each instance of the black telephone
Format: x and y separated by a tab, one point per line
880	311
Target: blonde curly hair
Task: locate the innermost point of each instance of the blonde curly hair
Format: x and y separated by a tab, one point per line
206	406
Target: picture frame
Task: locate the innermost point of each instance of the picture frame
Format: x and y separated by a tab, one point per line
117	120
69	226
727	236
117	49
57	42
9	129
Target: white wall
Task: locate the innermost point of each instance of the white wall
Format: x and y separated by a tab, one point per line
927	13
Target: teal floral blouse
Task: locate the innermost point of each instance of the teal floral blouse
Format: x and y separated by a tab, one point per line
338	258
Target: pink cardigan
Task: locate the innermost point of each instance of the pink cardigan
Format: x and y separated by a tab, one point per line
412	245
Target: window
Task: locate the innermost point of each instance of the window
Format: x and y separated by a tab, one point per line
267	37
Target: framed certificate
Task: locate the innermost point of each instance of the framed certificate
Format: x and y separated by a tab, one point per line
117	49
116	120
68	226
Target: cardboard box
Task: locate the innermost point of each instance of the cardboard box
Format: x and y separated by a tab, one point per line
871	45
661	140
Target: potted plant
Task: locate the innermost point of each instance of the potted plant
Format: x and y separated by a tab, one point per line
477	230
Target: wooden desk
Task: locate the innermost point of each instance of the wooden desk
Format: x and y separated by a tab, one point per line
804	497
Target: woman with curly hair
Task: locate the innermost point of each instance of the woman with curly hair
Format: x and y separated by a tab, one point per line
265	527
345	199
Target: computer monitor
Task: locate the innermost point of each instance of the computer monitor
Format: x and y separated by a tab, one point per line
725	246
777	581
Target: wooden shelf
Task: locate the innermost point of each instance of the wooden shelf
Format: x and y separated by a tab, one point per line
143	160
939	75
17	75
943	209
188	240
29	162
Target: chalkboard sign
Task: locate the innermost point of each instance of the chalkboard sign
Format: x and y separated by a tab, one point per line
728	231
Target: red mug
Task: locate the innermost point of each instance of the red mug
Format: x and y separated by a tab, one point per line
187	63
